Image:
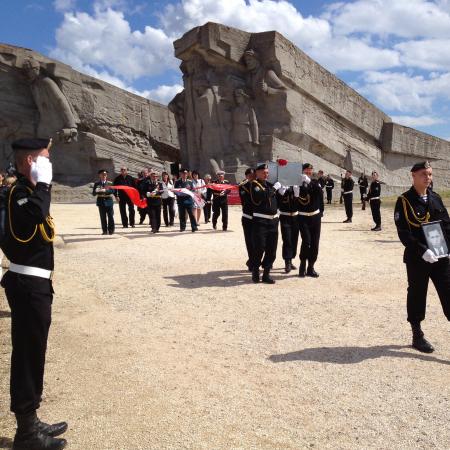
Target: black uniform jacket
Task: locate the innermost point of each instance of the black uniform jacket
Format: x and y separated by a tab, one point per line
156	187
363	183
263	198
310	197
216	197
126	180
287	202
244	194
347	184
27	208
329	184
374	190
410	211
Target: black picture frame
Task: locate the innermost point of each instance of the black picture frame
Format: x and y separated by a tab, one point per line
435	238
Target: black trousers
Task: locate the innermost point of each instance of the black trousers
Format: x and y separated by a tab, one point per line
310	232
30	299
168	210
107	218
142	214
289	233
154	212
247	227
362	193
419	273
375	209
207	212
123	203
182	210
329	195
217	208
264	242
348	203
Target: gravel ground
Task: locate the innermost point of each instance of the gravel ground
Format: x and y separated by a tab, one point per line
162	342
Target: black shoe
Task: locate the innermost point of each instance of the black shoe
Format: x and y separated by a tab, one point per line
214	226
133	226
312	273
266	277
347	221
375	229
110	232
287	266
105	232
194	230
224	229
52	430
302	270
255	275
419	342
125	226
292	266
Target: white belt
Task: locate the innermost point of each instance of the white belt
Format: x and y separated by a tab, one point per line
374	198
265	216
247	216
301	213
348	192
28	270
294	213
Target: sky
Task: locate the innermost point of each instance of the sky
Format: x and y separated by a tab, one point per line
393	52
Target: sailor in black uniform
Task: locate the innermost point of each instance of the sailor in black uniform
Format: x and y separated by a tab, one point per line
308	195
28	244
265	223
247	213
347	194
415	207
373	196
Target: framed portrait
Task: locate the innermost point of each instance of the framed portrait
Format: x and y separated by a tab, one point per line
435	238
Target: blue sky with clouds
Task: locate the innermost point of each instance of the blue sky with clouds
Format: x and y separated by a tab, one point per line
394	52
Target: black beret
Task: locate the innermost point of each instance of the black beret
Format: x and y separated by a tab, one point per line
30	144
102	171
262	166
307	166
249	171
420	166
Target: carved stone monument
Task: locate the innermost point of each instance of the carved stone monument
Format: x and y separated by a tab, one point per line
93	124
255	96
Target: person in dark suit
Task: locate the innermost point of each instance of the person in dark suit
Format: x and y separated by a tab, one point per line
185	202
220	202
329	186
414	208
124	179
28	244
347	194
373	196
105	201
153	190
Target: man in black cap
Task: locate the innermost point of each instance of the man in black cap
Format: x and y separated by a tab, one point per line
105	201
265	223
124	179
373	196
153	190
247	213
329	186
220	202
347	194
185	202
415	207
309	195
28	244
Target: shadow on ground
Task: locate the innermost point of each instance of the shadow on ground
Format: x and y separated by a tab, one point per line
4	314
352	355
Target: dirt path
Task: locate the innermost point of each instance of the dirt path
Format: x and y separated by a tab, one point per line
162	342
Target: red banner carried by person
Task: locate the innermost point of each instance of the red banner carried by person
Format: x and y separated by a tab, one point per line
133	194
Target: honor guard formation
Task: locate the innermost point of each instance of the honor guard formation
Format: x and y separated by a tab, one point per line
27	233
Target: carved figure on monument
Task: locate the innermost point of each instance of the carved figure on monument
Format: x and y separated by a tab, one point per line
176	106
52	104
245	125
262	80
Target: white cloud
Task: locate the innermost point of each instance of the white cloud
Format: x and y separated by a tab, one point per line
430	54
64	5
105	40
403	18
164	94
404	92
418	121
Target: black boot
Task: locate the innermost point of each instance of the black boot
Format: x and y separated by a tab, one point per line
419	342
302	270
255	275
287	266
30	437
311	272
266	277
52	429
292	265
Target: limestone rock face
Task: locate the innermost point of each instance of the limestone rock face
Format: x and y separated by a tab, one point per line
93	124
252	97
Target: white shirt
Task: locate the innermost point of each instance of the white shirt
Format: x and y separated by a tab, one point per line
198	184
166	193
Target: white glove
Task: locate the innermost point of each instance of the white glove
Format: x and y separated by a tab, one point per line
305	179
430	257
282	190
148	194
296	190
41	170
222	193
277	186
